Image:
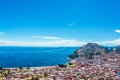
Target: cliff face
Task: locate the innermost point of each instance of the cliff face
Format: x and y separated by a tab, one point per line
89	51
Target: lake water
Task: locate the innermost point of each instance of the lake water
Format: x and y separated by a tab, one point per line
34	56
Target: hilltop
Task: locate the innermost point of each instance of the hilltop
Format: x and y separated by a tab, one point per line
90	50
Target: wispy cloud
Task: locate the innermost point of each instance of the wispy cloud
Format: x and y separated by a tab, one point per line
115	42
2	33
56	41
62	42
72	24
118	31
46	37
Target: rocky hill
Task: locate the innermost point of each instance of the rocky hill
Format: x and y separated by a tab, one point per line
89	51
117	50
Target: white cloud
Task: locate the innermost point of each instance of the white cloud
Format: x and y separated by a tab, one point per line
71	24
65	42
60	42
118	31
115	42
57	41
2	33
46	37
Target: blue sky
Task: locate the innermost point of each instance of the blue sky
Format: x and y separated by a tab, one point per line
59	22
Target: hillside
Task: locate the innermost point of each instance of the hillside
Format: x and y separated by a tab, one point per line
89	51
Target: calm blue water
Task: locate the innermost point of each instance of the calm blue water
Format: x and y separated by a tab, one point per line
34	56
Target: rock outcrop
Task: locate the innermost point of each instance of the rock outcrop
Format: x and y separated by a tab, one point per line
89	51
117	50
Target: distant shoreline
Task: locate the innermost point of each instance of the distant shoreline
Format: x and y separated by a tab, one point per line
40	67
